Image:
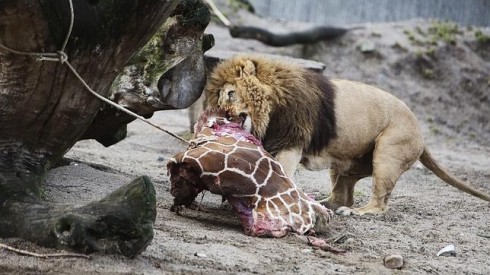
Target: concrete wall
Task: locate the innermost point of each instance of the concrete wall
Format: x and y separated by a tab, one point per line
343	12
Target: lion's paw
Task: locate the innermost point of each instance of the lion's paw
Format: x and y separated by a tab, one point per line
345	211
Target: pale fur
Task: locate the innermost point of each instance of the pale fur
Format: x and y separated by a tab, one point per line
373	132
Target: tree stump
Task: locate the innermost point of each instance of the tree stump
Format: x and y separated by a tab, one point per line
44	111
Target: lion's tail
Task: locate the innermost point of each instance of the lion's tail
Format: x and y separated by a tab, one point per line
429	162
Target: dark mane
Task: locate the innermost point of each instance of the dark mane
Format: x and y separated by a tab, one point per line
309	117
324	123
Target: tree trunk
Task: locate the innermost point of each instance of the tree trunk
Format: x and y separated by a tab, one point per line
44	110
168	73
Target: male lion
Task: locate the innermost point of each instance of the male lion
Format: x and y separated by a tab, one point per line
354	129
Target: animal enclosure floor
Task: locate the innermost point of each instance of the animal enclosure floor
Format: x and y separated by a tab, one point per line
425	213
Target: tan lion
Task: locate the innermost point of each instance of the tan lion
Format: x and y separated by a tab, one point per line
354	129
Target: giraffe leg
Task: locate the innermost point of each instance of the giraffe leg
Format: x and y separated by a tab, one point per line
342	193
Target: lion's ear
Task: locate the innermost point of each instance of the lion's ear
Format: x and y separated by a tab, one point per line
249	68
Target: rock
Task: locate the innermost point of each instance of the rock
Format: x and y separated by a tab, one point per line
449	250
419	166
306	251
368	47
200	255
349	241
393	261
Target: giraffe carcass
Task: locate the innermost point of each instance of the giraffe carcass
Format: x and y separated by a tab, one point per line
227	160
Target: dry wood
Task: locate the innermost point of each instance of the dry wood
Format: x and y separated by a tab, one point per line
38	255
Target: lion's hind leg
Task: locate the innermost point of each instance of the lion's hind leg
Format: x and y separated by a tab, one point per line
392	156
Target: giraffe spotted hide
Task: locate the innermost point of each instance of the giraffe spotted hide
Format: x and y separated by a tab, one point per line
227	160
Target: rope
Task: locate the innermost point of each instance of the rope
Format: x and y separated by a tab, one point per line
62	57
54	55
119	107
70	27
218	13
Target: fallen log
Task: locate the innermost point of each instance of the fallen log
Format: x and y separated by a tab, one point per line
308	36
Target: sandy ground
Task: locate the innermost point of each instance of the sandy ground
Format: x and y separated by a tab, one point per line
425	215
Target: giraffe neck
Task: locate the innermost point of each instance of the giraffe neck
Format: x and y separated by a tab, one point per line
235	131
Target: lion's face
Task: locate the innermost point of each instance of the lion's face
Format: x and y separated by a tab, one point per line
229	90
230	98
235	86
